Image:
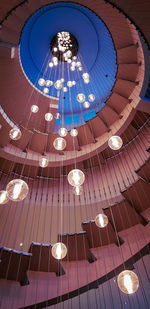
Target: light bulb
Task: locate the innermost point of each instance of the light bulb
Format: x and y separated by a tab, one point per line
34	109
3	197
62	132
58	84
91	97
17	190
59	250
15	134
59	143
69	84
76	177
74	132
78	190
128	282
101	220
48	117
65	89
86	104
51	64
48	83
80	97
85	76
78	64
43	162
46	90
115	142
41	81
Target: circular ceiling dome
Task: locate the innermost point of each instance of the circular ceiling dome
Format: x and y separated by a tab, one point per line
95	53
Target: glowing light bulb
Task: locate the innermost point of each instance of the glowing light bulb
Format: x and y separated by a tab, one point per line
86	104
48	83
34	109
15	134
41	81
69	84
101	220
62	132
91	97
115	142
80	97
51	64
46	90
59	143
128	282
76	177
43	162
78	190
48	117
3	197
17	190
65	89
58	84
74	132
59	250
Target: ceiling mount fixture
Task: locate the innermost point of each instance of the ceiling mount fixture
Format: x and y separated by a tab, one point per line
64	46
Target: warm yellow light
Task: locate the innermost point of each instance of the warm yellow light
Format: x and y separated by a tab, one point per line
43	162
101	220
34	109
76	178
48	117
115	142
80	97
128	282
62	132
59	250
91	97
48	83
74	132
59	143
58	84
3	197
41	81
15	134
86	104
78	190
17	190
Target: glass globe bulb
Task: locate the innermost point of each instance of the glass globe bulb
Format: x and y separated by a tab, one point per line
72	68
51	64
69	61
74	57
74	83
48	117
78	64
17	190
48	83
73	64
115	142
55	49
69	84
85	76
101	220
80	69
76	178
74	132
65	89
86	104
78	190
128	282
62	132
46	90
34	109
15	134
57	116
41	81
91	97
59	143
3	197
58	84
59	250
80	97
43	162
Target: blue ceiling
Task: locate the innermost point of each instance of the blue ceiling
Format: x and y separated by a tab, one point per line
96	53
